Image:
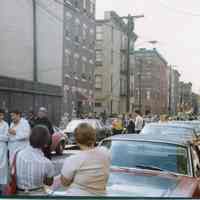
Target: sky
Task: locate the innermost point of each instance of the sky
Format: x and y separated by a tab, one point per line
175	24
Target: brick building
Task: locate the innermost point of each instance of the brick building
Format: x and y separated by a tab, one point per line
151	82
111	64
79	56
174	90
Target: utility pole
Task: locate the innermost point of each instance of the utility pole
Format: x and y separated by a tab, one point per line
130	29
170	89
140	84
35	77
35	67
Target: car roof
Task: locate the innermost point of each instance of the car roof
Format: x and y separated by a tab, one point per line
170	139
174	124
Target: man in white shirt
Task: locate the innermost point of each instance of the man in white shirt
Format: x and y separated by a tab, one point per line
34	170
139	122
19	133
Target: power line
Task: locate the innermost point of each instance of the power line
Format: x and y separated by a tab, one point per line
179	11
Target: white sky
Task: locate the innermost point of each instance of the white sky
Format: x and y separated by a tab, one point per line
174	23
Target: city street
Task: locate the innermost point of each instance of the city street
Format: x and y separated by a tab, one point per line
113	82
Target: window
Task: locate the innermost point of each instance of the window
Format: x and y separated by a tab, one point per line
85	5
92	7
98	104
98	82
76	4
99	44
68	24
92	39
84	68
67	57
148	94
99	33
75	66
112	34
112	56
132	88
122	87
169	157
77	31
67	2
99	56
84	32
111	83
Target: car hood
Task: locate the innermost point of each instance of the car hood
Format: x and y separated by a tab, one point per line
144	183
147	183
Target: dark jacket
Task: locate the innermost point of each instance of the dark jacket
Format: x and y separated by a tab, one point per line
131	127
45	122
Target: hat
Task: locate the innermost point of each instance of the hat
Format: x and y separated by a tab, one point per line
42	109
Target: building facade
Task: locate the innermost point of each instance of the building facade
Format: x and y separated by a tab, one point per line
174	90
111	64
31	55
185	96
151	82
79	56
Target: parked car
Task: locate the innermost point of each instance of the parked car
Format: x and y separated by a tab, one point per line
169	128
101	130
59	140
150	166
148	162
195	124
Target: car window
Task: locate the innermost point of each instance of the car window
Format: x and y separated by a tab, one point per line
168	157
56	129
101	124
98	125
91	122
72	125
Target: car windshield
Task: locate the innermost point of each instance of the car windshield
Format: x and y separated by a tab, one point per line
73	124
149	155
153	129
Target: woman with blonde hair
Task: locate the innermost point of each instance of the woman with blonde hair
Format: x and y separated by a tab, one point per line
87	172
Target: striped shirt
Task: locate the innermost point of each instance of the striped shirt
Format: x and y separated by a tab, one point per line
32	167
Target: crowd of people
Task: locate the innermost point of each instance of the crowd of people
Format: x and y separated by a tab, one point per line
28	141
133	123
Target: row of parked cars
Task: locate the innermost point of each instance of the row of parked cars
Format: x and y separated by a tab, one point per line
61	138
162	161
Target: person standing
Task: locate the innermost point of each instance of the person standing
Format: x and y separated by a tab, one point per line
3	151
139	122
42	119
31	118
19	133
131	126
87	172
33	169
